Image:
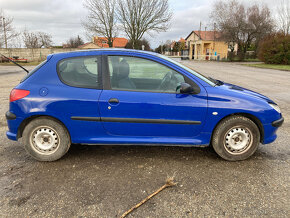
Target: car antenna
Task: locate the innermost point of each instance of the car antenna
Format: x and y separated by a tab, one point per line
15	63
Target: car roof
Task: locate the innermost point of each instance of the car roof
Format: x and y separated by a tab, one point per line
85	52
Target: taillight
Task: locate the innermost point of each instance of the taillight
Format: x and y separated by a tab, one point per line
17	94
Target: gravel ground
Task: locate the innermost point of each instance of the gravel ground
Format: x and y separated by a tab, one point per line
105	181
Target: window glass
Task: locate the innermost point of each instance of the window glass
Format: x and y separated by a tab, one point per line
199	75
80	71
131	73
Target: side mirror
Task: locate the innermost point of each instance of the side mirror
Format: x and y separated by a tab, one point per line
185	88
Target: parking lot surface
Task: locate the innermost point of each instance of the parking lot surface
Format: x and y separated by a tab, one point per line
105	181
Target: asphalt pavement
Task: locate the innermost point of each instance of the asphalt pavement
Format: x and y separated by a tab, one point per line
4	70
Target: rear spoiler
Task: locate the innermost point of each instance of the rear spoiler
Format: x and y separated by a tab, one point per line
15	63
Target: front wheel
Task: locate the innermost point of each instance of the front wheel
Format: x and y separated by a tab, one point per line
46	139
236	138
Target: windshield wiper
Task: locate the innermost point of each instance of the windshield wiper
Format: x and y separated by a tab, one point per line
16	63
219	83
215	81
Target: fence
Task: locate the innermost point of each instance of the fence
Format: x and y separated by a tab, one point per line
35	54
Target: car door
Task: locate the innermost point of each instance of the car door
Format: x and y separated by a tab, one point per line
141	100
78	97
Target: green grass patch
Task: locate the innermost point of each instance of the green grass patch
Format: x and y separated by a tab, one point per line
236	59
252	60
270	66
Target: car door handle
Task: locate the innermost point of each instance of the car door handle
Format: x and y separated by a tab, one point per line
114	100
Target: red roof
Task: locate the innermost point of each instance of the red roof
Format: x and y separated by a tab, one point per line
207	35
182	40
117	42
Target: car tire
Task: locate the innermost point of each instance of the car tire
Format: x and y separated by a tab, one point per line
46	139
236	138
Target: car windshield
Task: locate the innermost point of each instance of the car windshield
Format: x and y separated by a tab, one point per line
200	76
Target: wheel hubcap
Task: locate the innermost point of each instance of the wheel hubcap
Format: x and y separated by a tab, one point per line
238	140
45	140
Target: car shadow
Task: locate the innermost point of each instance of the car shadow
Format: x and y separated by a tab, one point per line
140	151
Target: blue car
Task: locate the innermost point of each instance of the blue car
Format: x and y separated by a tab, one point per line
129	97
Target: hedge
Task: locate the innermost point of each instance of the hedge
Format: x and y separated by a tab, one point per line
275	49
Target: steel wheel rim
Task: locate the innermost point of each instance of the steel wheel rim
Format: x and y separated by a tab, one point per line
44	140
238	140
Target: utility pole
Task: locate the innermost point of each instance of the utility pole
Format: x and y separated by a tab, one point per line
200	30
4	28
214	29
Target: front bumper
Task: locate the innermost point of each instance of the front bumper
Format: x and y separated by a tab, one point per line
270	130
278	123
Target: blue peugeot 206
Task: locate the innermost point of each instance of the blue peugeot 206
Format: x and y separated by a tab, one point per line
129	97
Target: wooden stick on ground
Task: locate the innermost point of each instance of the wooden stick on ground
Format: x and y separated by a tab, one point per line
169	183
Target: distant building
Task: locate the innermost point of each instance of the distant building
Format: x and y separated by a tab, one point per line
182	40
206	45
181	45
89	45
117	42
102	42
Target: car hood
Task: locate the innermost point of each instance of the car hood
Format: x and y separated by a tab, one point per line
241	90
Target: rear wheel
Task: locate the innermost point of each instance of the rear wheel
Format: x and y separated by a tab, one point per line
46	139
236	138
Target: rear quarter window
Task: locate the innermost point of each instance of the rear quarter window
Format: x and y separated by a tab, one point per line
80	71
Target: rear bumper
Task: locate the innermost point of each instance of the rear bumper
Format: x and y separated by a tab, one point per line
278	123
11	136
13	123
10	116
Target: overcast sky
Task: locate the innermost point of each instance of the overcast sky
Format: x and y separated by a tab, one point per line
62	18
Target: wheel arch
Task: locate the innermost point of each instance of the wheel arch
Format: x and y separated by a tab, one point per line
26	121
249	116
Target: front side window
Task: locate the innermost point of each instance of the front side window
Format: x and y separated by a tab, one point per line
138	74
80	71
199	75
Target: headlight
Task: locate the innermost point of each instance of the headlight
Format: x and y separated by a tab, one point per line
275	107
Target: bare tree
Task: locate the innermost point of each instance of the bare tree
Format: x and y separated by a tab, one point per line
284	17
30	39
74	42
139	45
101	19
140	16
241	25
45	39
260	24
36	39
16	42
7	31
